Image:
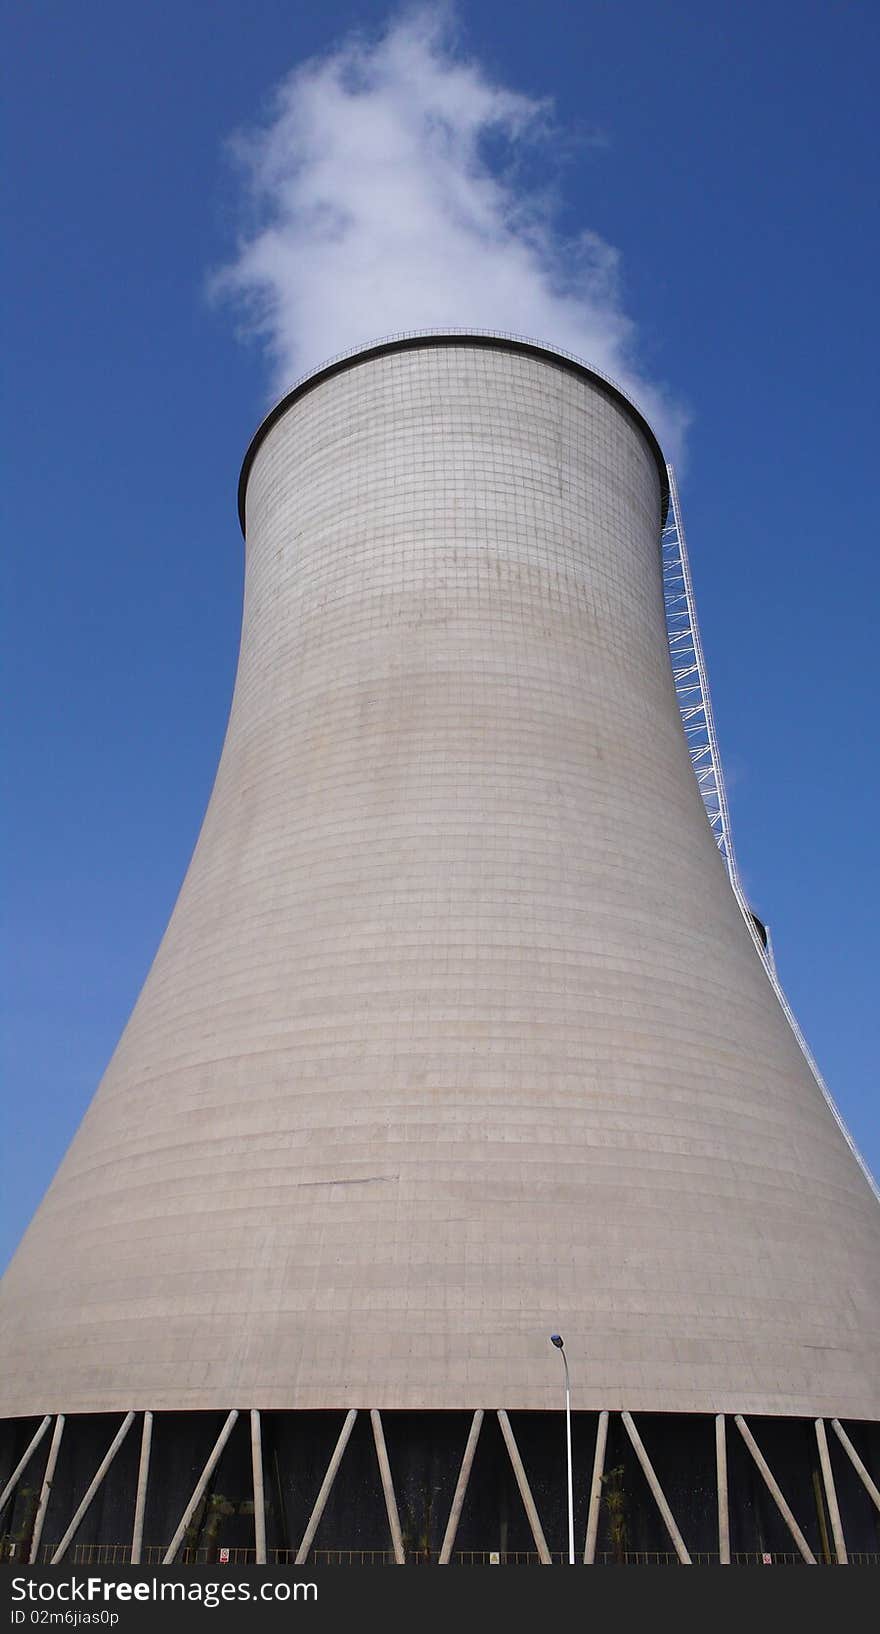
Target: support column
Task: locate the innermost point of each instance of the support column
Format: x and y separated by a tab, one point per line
92	1488
200	1485
659	1496
48	1478
23	1462
525	1490
140	1502
326	1485
596	1491
259	1499
831	1494
870	1486
723	1505
775	1491
464	1476
387	1486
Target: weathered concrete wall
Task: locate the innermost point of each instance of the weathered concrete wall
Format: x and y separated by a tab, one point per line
456	1035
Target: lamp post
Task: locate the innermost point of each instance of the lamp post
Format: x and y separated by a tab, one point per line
557	1340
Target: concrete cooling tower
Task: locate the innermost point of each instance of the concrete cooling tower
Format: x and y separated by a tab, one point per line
459	1036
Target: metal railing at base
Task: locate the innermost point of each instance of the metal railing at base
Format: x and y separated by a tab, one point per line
119	1554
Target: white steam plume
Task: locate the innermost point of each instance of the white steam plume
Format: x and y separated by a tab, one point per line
379	207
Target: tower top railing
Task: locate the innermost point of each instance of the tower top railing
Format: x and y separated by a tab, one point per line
407	339
462	330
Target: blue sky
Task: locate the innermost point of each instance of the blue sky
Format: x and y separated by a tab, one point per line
724	153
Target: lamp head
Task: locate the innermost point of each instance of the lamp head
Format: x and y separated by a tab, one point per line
556	1339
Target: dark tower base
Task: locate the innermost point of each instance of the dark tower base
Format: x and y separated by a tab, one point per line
366	1520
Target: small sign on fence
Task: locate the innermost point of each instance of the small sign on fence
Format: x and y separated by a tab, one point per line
224	1557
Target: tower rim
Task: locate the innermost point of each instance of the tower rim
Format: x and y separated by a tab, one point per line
415	340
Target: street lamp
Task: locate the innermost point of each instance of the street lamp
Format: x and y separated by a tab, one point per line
557	1340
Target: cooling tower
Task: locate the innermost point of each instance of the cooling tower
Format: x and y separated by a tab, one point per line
458	1036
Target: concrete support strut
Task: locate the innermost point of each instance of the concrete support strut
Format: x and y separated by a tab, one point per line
326	1485
199	1488
831	1494
525	1490
870	1486
23	1462
659	1496
723	1503
596	1490
387	1486
94	1484
140	1502
259	1498
45	1492
464	1476
775	1491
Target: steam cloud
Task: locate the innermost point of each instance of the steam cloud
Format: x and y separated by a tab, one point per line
386	193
